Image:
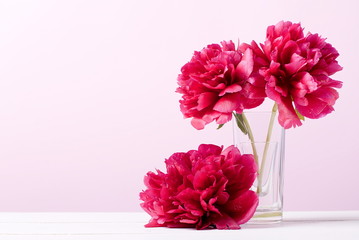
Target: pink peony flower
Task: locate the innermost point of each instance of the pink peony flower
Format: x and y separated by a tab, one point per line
218	81
202	188
298	73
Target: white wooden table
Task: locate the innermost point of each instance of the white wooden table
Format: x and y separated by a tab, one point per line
128	226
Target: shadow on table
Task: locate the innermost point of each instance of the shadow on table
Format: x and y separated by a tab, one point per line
300	222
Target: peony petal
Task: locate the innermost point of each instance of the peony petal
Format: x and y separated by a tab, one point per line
272	93
227	103
188	221
214	86
201	180
334	83
223	198
228	46
326	94
230	89
229	151
154	223
287	118
290	48
249	103
206	99
225	222
245	67
178	163
211	115
224	118
319	103
259	57
209	150
242	208
306	81
303	84
211	207
198	123
297	62
333	67
313	109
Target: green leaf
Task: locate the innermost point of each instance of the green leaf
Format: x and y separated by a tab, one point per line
301	117
220	126
240	123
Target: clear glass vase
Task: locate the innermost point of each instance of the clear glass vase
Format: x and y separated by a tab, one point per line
261	135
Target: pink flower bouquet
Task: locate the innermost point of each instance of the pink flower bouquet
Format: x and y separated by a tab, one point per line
210	187
291	69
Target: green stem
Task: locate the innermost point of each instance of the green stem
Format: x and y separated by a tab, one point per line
251	138
266	147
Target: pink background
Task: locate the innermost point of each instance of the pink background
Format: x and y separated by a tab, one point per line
87	101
